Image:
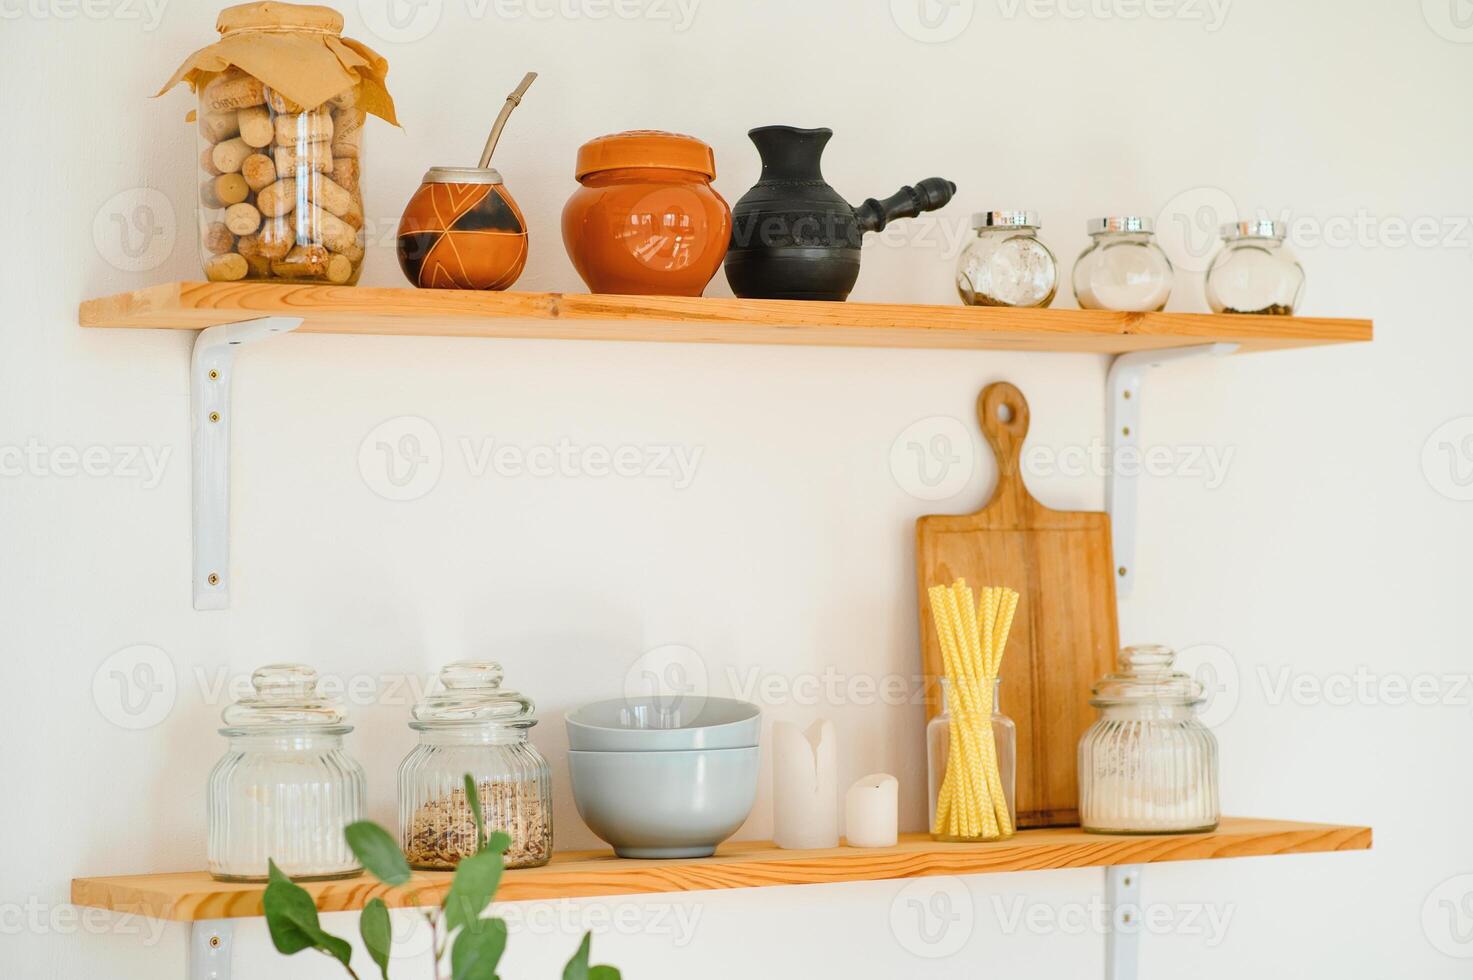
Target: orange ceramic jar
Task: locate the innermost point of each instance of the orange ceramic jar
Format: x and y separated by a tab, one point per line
646	220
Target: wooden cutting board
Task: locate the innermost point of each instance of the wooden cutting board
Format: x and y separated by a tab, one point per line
1065	632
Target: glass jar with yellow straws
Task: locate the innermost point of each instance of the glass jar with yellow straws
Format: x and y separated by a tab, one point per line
971	746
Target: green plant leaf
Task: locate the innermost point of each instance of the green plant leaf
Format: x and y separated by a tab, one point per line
603	973
473	800
378	934
379	852
477	950
475	882
291	917
498	842
577	968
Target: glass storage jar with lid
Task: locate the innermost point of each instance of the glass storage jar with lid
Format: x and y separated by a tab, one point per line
474	726
1123	268
285	789
283	101
1147	765
1007	265
1255	272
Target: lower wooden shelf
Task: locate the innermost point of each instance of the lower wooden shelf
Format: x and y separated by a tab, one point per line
193	895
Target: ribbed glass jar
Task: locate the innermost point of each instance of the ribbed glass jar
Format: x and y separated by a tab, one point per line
285	790
1148	765
472	726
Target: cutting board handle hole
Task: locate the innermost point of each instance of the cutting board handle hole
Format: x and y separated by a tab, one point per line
1005	413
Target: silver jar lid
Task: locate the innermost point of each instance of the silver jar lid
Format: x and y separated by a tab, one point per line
1256	228
1128	224
1005	219
462	175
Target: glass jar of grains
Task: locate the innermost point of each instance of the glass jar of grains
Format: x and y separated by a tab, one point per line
1006	264
285	790
1255	272
1123	268
474	726
283	99
1148	765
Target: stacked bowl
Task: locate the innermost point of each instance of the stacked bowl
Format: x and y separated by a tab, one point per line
664	777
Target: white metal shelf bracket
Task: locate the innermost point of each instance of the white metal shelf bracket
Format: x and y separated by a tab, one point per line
209	949
211	369
1127	373
1123	938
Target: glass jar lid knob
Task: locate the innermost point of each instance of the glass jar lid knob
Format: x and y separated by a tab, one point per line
471	694
283	696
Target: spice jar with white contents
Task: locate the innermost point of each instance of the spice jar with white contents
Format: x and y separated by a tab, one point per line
1007	265
1123	268
285	789
1255	272
1147	765
473	726
283	98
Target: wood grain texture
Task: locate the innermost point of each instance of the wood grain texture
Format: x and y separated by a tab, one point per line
192	895
457	313
1064	634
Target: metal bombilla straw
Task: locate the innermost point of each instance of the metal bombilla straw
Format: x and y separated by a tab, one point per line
512	101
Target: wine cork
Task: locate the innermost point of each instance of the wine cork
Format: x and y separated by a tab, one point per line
330	230
326	194
207	161
232	89
314	157
353	217
229	155
280	103
207	198
217	239
302	262
339	269
273	241
347	144
345	99
347	123
345	172
278	198
260	266
226	268
216	127
259	171
304	127
255	126
243	219
231	189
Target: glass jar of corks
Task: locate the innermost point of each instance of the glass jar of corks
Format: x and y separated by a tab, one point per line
473	726
283	99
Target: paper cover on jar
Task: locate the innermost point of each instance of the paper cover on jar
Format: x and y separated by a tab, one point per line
297	50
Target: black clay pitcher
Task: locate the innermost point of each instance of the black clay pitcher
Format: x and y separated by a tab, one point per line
793	236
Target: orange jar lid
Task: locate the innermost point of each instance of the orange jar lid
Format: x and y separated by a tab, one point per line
267	15
646	148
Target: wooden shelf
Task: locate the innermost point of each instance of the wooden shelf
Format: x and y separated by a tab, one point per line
458	313
190	896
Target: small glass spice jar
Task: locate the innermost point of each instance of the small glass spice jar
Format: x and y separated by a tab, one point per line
938	750
1007	265
1255	272
285	790
474	726
1123	268
1147	765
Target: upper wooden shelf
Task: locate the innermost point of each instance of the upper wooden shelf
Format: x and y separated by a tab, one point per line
467	313
192	895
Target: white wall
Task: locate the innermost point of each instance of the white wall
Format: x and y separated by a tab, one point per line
1328	549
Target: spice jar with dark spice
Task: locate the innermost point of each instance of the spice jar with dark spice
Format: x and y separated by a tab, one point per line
473	725
1255	272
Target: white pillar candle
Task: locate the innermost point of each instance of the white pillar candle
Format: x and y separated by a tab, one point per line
805	786
872	812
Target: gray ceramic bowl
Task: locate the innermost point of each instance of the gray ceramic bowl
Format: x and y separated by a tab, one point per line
663	724
664	804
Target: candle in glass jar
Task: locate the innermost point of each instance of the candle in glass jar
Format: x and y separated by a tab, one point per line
872	812
805	789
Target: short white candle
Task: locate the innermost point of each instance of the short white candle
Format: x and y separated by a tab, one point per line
872	812
805	786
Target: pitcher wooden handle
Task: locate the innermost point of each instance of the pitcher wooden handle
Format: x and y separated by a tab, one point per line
1003	413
